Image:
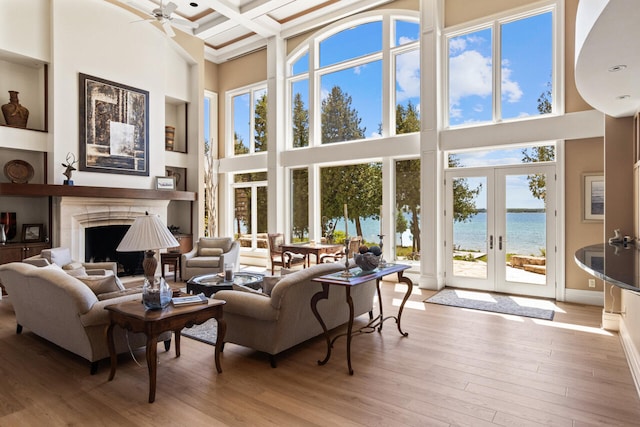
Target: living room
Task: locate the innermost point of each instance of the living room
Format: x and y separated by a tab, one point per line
97	38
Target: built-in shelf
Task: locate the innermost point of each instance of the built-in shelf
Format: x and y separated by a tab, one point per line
39	190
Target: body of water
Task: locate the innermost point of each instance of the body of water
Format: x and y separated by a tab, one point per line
526	233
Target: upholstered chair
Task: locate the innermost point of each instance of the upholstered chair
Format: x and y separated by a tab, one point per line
209	255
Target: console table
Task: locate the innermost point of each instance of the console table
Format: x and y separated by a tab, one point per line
358	277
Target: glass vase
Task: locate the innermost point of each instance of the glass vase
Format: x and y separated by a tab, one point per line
156	294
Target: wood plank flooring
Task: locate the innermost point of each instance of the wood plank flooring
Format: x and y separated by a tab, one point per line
457	367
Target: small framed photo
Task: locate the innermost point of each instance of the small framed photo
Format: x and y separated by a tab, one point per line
593	197
165	183
32	232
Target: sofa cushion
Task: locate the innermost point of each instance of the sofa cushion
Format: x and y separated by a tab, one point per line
101	284
59	256
204	261
119	293
210	252
72	266
223	243
76	272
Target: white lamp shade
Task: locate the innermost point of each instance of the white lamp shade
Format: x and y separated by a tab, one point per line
147	233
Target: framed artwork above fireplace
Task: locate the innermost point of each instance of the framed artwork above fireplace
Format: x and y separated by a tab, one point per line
114	127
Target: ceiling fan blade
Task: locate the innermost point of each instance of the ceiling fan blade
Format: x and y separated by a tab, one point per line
170	8
184	23
167	29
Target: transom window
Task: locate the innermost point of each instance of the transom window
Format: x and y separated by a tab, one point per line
502	69
343	72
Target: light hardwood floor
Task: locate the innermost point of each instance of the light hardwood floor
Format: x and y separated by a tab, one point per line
456	367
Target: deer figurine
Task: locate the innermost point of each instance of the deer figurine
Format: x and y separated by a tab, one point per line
71	160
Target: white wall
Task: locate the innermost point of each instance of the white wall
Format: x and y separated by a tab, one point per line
97	38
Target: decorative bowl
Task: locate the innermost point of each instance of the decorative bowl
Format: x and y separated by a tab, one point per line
367	261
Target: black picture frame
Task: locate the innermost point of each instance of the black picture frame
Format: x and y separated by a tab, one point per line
32	232
114	127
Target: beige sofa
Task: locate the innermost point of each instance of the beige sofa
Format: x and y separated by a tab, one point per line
274	323
65	311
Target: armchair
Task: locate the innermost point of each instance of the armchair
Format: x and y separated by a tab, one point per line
280	258
209	255
354	245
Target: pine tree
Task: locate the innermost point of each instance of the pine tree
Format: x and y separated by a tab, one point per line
260	124
300	120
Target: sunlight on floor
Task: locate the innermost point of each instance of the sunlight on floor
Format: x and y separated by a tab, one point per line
537	303
572	327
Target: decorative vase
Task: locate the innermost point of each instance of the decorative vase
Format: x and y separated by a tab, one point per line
169	133
15	114
156	294
3	235
8	219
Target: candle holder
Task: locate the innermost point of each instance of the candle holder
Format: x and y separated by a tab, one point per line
346	272
382	263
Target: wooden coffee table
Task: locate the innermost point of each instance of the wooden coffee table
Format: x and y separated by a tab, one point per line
133	317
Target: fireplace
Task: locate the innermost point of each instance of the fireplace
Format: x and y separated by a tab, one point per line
100	245
75	217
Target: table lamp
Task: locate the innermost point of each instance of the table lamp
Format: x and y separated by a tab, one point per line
148	234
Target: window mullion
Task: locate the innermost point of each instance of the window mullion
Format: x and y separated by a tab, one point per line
496	66
388	79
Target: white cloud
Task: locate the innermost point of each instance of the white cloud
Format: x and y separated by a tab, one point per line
457	44
470	74
404	40
408	76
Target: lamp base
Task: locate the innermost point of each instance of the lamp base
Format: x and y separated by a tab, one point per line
156	293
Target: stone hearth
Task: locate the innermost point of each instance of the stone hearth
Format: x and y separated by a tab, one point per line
72	215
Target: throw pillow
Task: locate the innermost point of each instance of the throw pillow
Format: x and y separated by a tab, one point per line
72	266
100	284
210	251
116	294
268	283
244	288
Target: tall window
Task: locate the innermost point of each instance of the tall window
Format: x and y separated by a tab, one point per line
250	209
502	70
349	78
248	120
407	221
300	205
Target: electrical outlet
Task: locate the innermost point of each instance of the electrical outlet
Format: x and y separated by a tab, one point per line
592	283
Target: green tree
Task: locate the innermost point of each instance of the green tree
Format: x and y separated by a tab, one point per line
407	119
300	123
238	145
300	203
545	153
464	205
358	186
408	174
339	121
260	124
401	225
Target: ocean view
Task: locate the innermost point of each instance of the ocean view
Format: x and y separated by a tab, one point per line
525	233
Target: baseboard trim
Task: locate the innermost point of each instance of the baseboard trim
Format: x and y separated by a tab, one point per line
633	357
579	296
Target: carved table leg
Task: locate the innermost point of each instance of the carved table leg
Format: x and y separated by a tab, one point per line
409	284
323	294
349	327
112	351
222	329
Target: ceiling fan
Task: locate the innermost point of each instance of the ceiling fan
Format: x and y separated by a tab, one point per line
164	15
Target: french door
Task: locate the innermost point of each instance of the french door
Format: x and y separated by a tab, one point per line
500	229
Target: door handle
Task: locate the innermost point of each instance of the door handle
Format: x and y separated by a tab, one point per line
499	243
491	241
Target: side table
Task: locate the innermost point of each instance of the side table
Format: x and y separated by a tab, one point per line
133	317
171	259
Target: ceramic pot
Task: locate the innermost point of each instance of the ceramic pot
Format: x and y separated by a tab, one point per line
169	133
8	219
15	114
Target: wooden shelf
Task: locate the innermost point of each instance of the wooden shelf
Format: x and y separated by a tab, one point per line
39	190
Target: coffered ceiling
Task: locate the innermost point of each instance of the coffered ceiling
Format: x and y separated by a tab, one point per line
232	28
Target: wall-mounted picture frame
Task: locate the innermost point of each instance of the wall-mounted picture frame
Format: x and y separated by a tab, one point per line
165	183
114	127
32	232
593	197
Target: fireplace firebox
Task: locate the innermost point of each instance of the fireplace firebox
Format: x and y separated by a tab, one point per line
101	243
